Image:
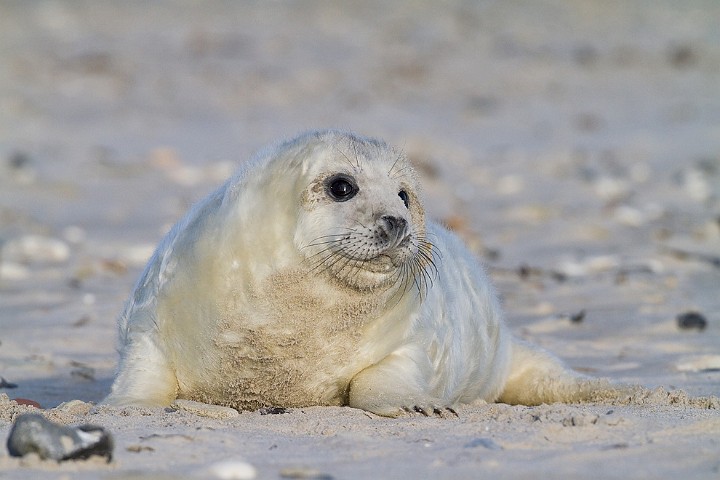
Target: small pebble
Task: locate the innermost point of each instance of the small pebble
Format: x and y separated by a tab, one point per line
13	271
696	185
305	473
701	363
510	185
580	420
577	317
272	410
75	407
26	401
139	448
232	469
137	255
589	265
34	434
691	321
629	216
19	160
36	248
682	56
21	166
609	188
74	234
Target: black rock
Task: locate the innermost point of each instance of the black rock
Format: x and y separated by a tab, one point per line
577	317
5	384
691	320
33	433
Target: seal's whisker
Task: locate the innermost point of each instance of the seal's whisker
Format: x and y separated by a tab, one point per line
321	263
346	254
328	256
353	265
325	242
333	254
417	282
354	146
346	260
330	248
409	273
426	257
398	278
401	172
402	276
427	252
400	155
345	231
343	249
430	246
429	278
426	262
419	276
356	165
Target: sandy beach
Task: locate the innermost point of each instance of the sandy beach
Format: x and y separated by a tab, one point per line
574	145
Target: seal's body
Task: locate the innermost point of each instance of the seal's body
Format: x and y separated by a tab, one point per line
313	278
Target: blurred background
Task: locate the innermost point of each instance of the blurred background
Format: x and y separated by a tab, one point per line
575	145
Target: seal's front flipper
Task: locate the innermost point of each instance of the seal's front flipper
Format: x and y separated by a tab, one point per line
397	385
538	377
145	378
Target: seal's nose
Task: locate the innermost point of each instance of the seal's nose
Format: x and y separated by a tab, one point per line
392	227
394	223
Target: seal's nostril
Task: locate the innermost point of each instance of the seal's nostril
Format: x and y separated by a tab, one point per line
392	228
393	224
389	222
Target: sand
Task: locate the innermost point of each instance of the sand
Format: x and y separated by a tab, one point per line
574	145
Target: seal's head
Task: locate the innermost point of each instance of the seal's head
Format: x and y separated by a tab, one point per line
361	219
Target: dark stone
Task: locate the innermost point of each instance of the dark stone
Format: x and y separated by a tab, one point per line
33	433
272	410
691	321
577	317
5	384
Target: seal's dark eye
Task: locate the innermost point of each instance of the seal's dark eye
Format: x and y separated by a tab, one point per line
342	188
404	196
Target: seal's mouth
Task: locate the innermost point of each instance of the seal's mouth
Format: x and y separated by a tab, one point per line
370	258
383	261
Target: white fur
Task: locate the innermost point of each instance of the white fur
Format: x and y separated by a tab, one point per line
242	304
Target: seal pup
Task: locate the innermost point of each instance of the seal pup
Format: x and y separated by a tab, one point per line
312	277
